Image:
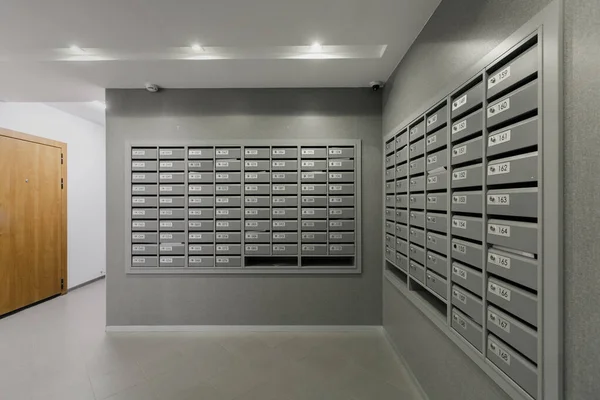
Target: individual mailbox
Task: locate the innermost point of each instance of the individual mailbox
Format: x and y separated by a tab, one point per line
341	152
317	201
402	185
417	130
437	242
468	278
417	219
321	165
390	200
201	177
172	213
148	226
341	165
402	231
437	140
314	237
202	249
521	202
171	262
257	153
467	100
437	181
401	156
437	201
258	201
259	189
144	262
257	237
417	148
467	227
467	252
401	139
437	222
402	262
285	213
513	299
201	262
520	102
199	225
417	253
285	237
314	249
228	201
341	213
285	177
198	166
402	246
315	190
285	165
437	263
285	201
341	225
513	234
144	213
513	267
200	237
437	118
467	202
171	154
514	365
513	73
402	216
417	201
437	160
417	236
335	177
228	262
316	177
437	284
175	177
234	249
316	152
205	190
469	151
467	127
257	165
522	135
401	171
285	249
228	237
257	225
228	153
198	153
341	249
417	183
228	177
341	189
228	213
465	177
148	177
257	213
143	154
513	332
144	237
144	249
342	237
417	166
417	271
144	190
172	190
389	174
283	225
176	166
347	201
144	166
284	152
284	190
468	303
228	225
467	328
517	169
257	249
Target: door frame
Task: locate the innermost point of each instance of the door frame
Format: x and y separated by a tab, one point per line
63	172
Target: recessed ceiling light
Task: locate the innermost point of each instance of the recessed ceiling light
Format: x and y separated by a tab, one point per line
76	49
316	46
197	47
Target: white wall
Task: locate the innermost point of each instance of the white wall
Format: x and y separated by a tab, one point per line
86	171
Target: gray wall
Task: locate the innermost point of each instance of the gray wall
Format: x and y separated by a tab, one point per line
457	36
244	300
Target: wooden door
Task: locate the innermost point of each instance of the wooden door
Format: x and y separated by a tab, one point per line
32	228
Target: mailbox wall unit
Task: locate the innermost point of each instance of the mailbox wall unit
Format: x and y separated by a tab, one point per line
469	202
257	207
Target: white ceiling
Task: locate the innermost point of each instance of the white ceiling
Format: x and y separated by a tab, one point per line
141	41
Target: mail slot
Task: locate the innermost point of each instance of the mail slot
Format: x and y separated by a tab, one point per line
201	237
257	165
144	190
437	201
251	153
284	165
389	214
234	249
172	237
468	202
467	100
200	190
317	189
228	201
144	213
468	303
201	249
172	190
171	262
314	237
523	372
469	151
417	272
341	225
148	177
257	189
522	168
144	249
437	263
467	227
257	249
417	253
285	213
417	148
341	152
284	152
417	166
257	213
402	216
437	118
467	328
464	177
285	249
285	237
417	236
417	201
401	156
314	249
228	225
314	177
144	226
513	299
201	177
257	201
467	252
285	225
401	139
314	165
401	262
144	262
282	190
417	183
172	213
287	201
513	234
144	166
201	166
201	262
341	213
437	181
344	237
417	219
178	166
228	213
313	152
520	102
341	165
228	237
284	177
143	237
197	153
437	284
229	153
344	201
437	222
171	154
229	177
468	278
513	332
513	202
437	140
341	249
513	267
389	146
401	171
199	225
341	188
143	154
257	237
469	126
228	262
417	130
257	225
402	231
196	201
522	135
389	174
437	160
437	242
514	73
335	177
390	200
402	246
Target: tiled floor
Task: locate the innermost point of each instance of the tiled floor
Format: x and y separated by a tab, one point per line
59	350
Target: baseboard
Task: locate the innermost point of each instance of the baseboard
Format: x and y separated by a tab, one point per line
86	283
406	365
244	328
